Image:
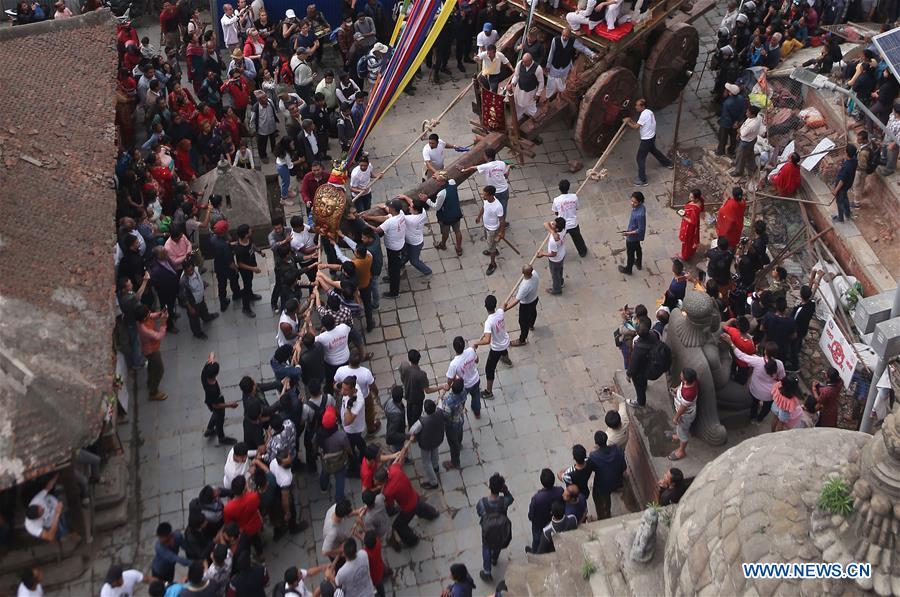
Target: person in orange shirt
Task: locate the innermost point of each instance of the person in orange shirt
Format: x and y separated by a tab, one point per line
151	330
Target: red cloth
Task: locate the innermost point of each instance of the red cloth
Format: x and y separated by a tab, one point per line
367	473
689	234
730	221
376	562
309	185
689	393
827	403
244	510
239	91
201	117
620	31
183	165
399	489
787	181
745	345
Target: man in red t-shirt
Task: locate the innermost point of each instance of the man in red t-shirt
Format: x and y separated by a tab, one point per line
374	458
311	182
372	545
397	488
243	509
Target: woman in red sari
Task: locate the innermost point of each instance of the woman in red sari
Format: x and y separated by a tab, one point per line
231	124
195	61
689	234
787	180
730	219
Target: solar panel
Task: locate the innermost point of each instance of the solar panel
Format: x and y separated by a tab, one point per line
888	45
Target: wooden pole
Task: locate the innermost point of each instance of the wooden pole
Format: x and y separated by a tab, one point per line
428	127
675	147
765	271
784	255
795	199
592	174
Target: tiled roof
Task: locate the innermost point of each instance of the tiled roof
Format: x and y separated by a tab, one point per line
57	151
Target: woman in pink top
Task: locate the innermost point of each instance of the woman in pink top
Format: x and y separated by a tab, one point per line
178	247
767	371
786	405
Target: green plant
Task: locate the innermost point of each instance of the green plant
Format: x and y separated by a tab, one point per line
587	569
653	505
835	497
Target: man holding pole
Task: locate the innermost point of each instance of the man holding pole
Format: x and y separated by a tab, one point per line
448	210
555	253
527	300
565	205
494	224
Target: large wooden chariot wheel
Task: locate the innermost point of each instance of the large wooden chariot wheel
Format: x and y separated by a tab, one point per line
602	108
667	68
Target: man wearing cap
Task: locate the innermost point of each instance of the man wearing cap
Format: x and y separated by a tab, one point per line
303	75
121	583
732	115
230	24
448	210
364	33
224	264
374	61
334	447
487	37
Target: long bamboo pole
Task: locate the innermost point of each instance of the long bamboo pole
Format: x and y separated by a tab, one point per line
428	127
592	174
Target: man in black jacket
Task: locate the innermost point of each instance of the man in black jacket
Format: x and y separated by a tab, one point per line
640	361
608	464
539	510
429	432
165	283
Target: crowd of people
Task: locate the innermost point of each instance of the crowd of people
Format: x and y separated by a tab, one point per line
328	408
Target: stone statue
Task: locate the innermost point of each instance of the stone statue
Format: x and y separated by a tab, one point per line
693	336
644	543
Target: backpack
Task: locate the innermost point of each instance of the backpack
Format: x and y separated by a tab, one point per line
660	360
287	75
362	67
874	159
334	462
496	528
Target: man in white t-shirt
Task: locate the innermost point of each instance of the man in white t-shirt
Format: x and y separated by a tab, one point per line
565	206
44	516
237	463
465	366
365	387
496	336
360	179
555	253
30	584
493	215
120	583
496	174
393	228
646	124
353	420
354	577
230	24
433	155
294	577
334	339
487	37
280	467
303	242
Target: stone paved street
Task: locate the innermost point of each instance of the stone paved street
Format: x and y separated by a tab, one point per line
548	400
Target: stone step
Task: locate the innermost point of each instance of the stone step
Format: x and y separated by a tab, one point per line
34	552
113	485
111	517
56	573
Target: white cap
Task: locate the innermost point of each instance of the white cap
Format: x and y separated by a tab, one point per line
732	88
380	47
290	14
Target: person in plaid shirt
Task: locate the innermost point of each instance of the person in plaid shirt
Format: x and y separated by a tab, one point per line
454	404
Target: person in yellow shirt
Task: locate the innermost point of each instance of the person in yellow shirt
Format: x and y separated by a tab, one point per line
790	44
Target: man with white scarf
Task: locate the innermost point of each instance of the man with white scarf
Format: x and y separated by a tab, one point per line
528	84
560	60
